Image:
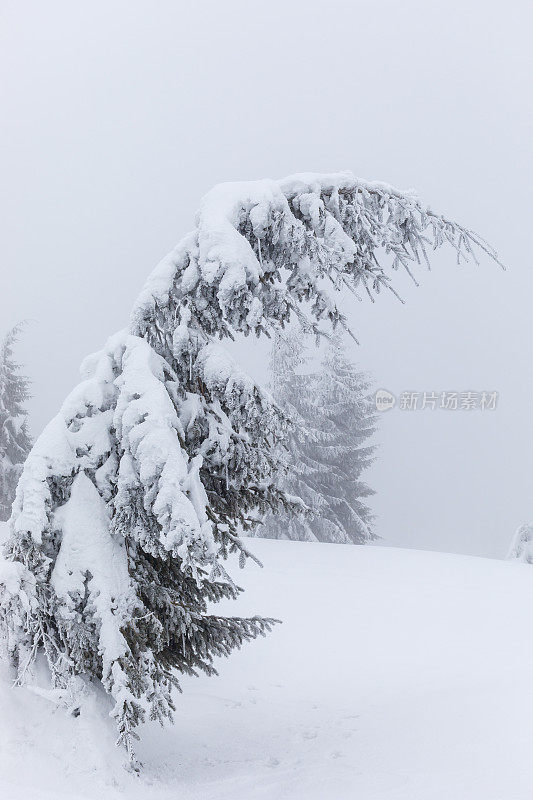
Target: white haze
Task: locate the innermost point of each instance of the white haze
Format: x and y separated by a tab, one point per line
118	116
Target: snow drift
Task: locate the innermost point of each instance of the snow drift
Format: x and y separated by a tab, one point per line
397	675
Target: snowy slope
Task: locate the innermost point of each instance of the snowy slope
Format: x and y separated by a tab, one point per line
397	675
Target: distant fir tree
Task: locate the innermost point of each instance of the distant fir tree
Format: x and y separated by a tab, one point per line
15	442
521	548
344	397
331	416
133	495
292	388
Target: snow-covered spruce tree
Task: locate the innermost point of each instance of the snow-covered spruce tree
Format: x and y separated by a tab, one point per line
15	442
292	390
332	416
130	500
343	395
521	548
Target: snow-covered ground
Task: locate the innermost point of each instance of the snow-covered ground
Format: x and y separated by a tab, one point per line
396	675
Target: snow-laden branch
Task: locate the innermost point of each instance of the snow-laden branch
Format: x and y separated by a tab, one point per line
260	248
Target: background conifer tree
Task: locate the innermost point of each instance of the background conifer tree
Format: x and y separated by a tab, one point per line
343	395
291	385
521	548
332	415
15	441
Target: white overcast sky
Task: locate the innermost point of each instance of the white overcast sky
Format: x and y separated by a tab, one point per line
118	116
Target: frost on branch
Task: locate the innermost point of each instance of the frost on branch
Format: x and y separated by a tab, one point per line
135	494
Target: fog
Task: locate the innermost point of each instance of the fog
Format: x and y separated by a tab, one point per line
118	116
